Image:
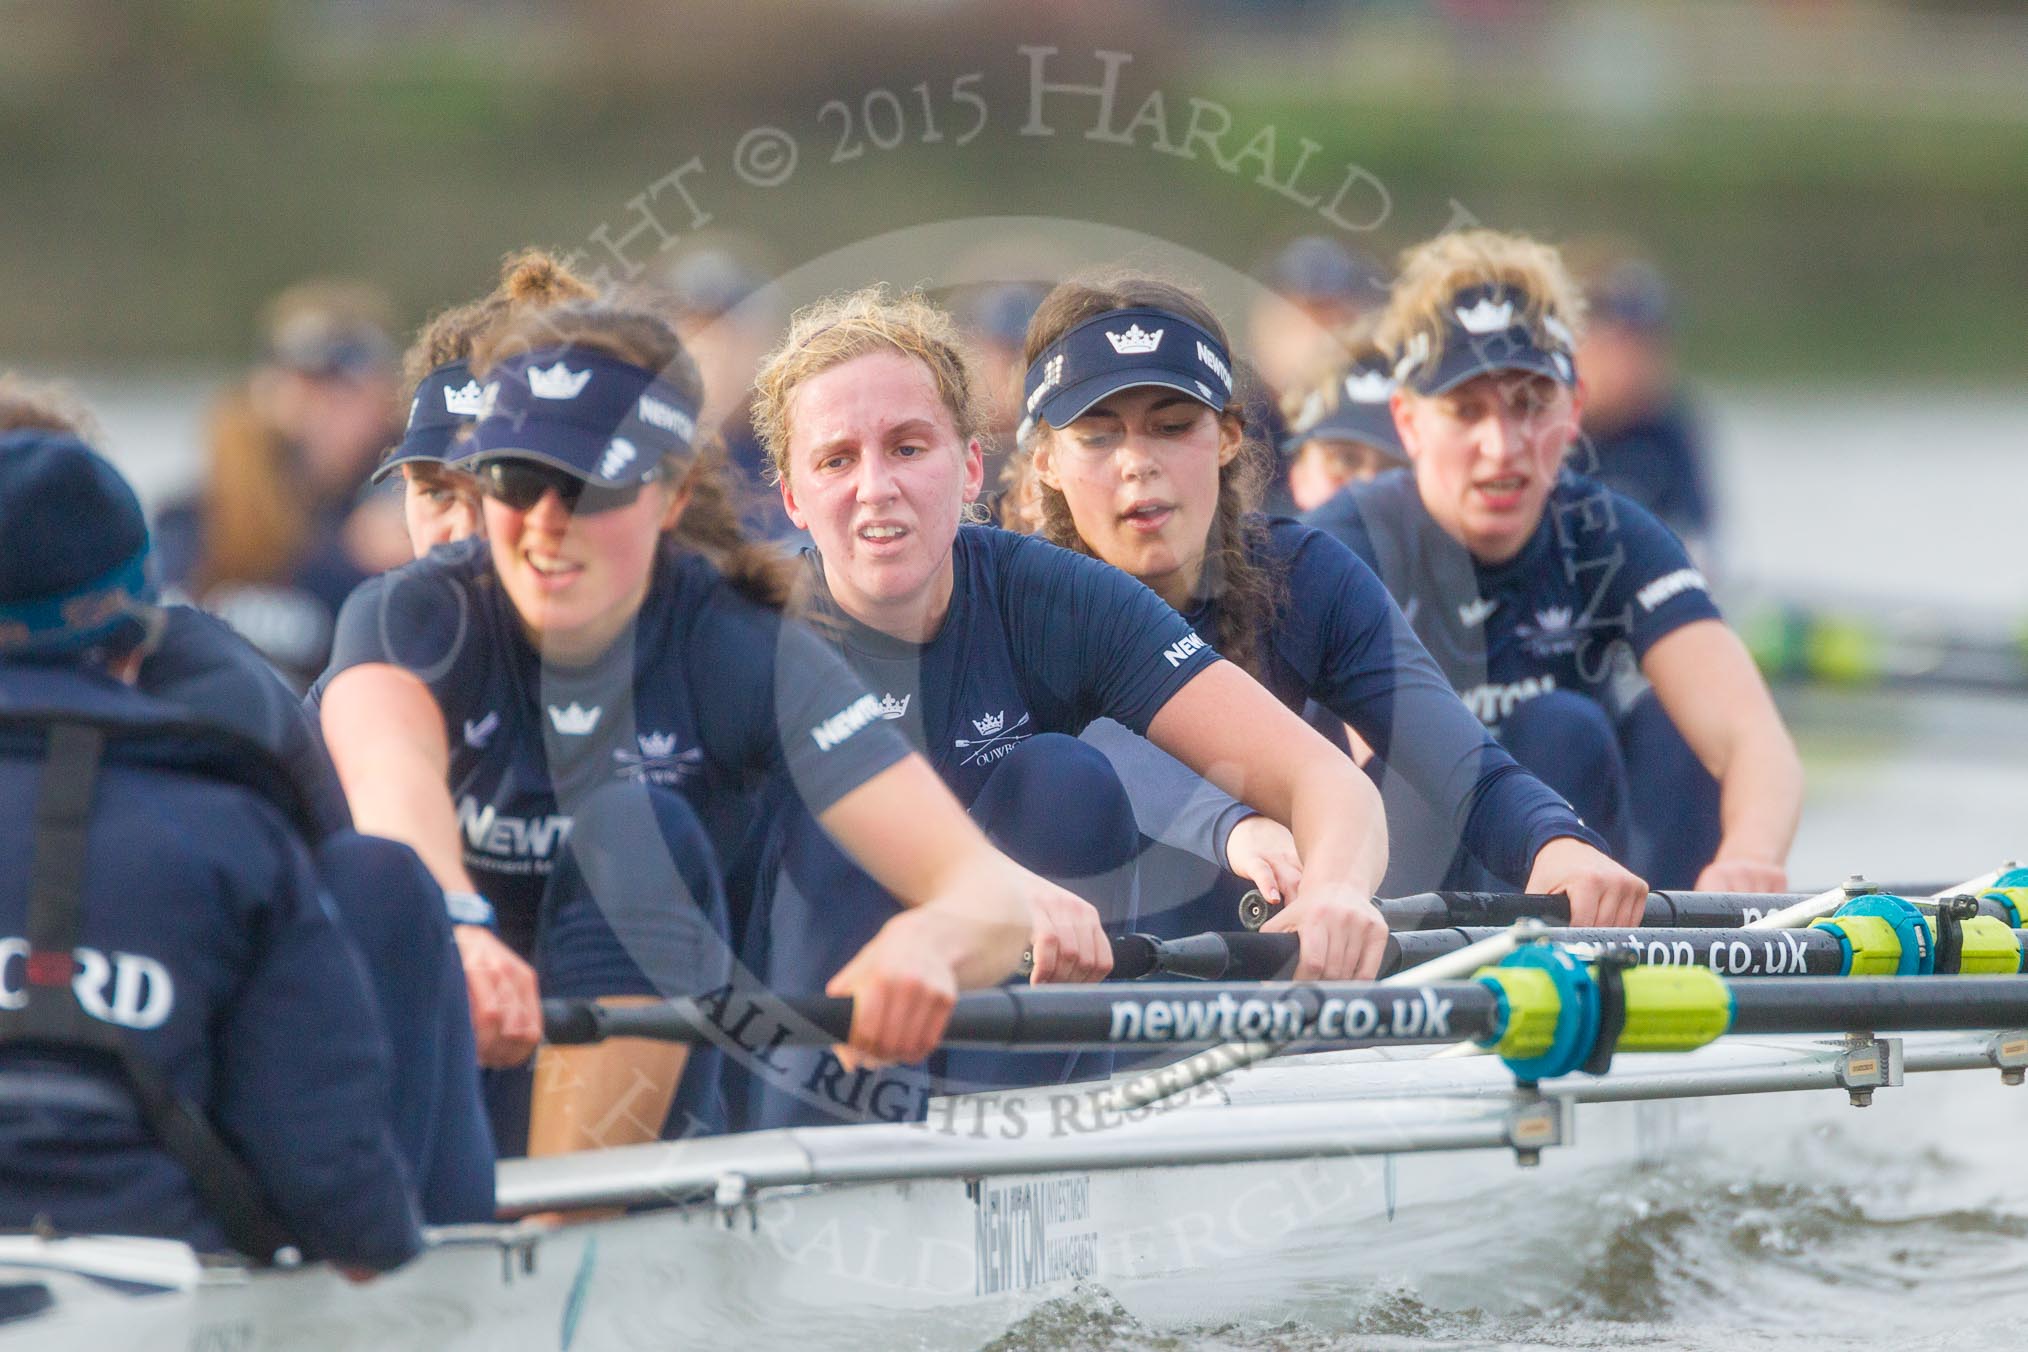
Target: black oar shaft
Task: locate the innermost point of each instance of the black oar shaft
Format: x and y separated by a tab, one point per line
1349	1013
1687	910
1677	910
1729	952
1187	1014
1880	1004
1246	956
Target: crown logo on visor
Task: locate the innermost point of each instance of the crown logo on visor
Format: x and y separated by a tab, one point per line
1369	387
890	707
467	400
657	745
575	720
1487	316
556	382
991	724
1136	341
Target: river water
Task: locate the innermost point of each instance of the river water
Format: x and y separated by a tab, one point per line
1903	1226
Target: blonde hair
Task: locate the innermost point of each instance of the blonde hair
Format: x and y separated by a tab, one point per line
837	329
256	517
28	405
1437	269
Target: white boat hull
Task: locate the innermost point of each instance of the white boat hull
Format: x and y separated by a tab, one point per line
953	1254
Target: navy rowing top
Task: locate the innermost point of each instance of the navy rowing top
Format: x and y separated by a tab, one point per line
1597	584
1337	638
708	693
1657	460
1037	639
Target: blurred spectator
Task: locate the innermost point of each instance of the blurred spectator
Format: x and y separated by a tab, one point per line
1319	287
995	320
1341	428
281	530
728	323
1643	440
1019	504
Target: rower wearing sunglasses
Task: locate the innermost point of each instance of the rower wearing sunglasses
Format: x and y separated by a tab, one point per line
440	499
568	722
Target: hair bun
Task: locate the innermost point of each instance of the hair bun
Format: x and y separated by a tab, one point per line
539	277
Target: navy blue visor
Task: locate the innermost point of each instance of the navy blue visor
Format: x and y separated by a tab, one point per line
1362	413
447	401
1486	328
1121	350
602	420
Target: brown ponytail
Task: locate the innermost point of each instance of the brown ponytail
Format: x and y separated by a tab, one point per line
529	279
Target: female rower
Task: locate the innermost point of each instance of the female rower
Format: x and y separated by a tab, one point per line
1138	445
1341	430
440	502
607	673
991	646
1572	620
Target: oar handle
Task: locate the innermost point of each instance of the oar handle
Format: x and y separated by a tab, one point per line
1133	957
817	1019
1438	910
1239	955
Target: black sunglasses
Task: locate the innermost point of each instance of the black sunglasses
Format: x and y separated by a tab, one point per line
520	484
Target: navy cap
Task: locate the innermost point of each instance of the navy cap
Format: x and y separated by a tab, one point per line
1632	295
1315	267
1001	312
709	282
1120	350
1362	413
447	401
1486	328
321	345
606	421
74	573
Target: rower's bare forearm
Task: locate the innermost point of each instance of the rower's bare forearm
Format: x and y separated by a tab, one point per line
1761	799
903	827
906	830
1339	825
406	806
